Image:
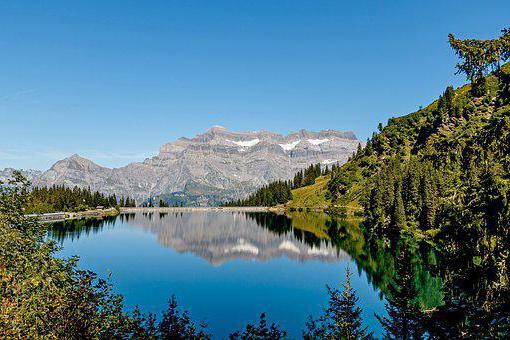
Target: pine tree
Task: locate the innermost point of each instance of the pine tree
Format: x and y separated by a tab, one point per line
178	325
261	331
375	212
359	149
398	214
411	192
342	319
429	201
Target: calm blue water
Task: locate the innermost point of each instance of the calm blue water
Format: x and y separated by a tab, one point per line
225	268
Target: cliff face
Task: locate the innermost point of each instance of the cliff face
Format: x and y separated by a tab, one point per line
212	167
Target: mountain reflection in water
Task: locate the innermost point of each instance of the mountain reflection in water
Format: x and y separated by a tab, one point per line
227	267
220	237
280	264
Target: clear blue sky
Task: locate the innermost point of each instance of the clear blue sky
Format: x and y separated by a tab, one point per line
113	80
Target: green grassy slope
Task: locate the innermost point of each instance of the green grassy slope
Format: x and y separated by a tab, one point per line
418	135
311	196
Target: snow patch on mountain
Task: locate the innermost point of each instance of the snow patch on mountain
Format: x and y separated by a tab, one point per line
317	141
329	161
290	146
246	143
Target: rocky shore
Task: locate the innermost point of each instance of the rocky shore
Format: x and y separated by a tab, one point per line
62	216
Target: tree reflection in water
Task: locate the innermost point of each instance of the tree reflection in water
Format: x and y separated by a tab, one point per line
430	292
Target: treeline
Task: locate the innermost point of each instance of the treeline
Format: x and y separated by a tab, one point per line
404	195
127	202
309	175
150	203
279	192
272	194
61	198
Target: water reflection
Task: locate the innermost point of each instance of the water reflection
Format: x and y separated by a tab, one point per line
74	229
421	284
219	237
222	236
254	262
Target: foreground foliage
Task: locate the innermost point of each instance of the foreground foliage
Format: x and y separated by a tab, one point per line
342	319
45	297
261	331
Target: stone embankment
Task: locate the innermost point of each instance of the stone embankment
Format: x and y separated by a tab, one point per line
194	209
62	216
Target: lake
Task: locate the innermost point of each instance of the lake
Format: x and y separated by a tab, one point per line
227	267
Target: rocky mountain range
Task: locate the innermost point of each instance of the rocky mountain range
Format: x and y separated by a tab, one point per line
212	167
6	174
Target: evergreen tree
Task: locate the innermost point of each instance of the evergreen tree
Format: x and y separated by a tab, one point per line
342	319
398	214
429	201
61	198
481	56
178	325
260	332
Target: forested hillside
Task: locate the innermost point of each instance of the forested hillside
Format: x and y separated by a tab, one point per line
61	198
279	192
442	174
440	165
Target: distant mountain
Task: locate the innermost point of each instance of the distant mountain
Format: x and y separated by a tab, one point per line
6	174
212	167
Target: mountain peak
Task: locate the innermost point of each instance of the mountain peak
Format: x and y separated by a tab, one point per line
75	161
215	166
217	128
75	156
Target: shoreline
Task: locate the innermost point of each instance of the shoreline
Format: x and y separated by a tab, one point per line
78	215
101	213
196	209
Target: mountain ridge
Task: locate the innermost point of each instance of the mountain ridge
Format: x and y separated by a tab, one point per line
209	168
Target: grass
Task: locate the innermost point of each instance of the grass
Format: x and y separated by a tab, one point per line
312	196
